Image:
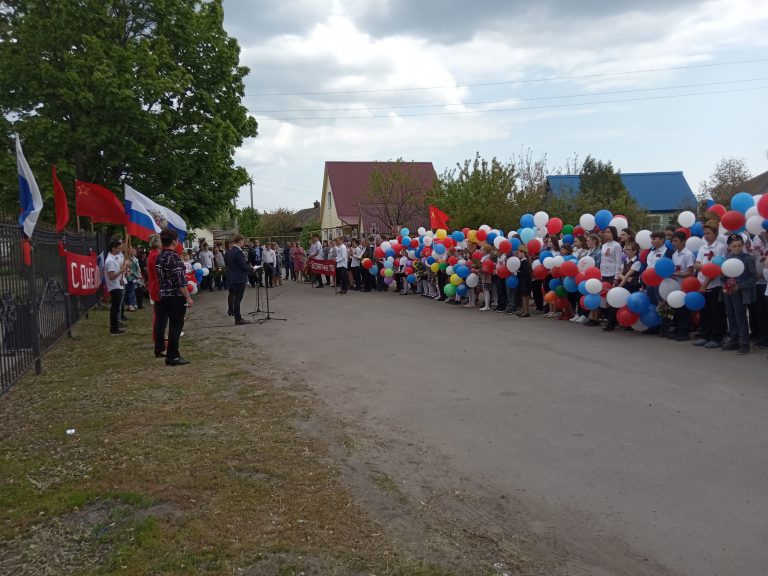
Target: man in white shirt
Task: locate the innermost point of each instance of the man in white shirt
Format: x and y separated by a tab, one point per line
340	253
114	276
684	261
205	257
268	257
316	253
713	326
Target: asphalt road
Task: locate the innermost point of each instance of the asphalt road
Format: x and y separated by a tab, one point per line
658	444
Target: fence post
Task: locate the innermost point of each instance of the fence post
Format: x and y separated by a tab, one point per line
35	312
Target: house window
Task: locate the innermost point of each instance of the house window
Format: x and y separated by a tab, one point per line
330	199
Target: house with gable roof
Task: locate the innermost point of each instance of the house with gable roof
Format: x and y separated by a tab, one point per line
663	195
345	205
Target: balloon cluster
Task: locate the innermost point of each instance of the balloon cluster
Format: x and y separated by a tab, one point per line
195	277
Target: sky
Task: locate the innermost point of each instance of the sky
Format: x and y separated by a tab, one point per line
652	86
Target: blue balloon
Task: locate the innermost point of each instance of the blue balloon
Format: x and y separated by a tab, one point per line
694	300
438	248
668	244
516	242
390	253
651	318
603	218
406	242
554	283
491	237
411	278
592	301
458	236
462	289
373	270
664	267
569	283
765	224
742	202
638	302
526	221
199	275
430	260
527	234
718	260
567	239
583	287
388	264
417	253
405	232
710	202
512	282
462	271
544	254
697	229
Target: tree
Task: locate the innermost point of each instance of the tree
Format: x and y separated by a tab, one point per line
396	196
248	221
725	181
280	222
137	91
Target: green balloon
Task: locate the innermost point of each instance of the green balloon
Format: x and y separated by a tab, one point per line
443	266
568	229
450	290
388	272
561	291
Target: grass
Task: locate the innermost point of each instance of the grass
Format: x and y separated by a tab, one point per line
195	469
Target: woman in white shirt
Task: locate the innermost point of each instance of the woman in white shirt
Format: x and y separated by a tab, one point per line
610	258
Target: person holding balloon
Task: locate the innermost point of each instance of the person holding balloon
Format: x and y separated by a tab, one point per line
738	293
683	261
487	265
524	274
628	278
712	324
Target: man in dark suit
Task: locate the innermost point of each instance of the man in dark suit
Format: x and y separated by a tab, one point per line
237	277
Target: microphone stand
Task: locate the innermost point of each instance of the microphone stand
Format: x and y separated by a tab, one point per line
269	312
258	294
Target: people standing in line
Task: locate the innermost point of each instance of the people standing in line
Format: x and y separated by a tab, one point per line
277	276
329	253
316	253
174	297
238	270
268	258
114	272
340	254
205	257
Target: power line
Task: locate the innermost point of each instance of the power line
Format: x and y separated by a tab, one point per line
507	82
506	100
568	105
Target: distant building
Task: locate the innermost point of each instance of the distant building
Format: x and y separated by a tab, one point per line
345	208
307	216
756	185
662	195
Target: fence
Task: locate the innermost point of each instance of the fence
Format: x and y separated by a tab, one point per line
35	309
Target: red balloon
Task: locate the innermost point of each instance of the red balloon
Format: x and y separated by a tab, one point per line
555	272
561	302
505	246
379	252
449	243
762	206
426	252
452	260
690	284
580	277
466	232
503	272
593	272
582	305
644	255
606	286
408	270
554	225
399	239
381	272
367	263
578	231
718	209
477	255
569	268
534	247
481	235
711	270
650	278
414	243
625	317
540	273
685	231
733	220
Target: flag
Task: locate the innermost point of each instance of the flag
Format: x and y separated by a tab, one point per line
29	193
98	203
60	200
437	218
146	217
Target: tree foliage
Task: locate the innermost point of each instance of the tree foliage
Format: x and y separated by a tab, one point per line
280	222
248	221
725	181
138	91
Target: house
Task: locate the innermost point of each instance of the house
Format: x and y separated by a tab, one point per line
348	209
663	195
756	185
307	216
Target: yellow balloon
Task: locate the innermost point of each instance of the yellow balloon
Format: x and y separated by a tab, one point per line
455	279
441	234
472	235
435	267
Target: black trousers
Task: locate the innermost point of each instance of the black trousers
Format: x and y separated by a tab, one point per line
269	274
342	278
115	304
170	311
713	324
442	280
538	296
501	293
758	315
356	274
234	298
369	282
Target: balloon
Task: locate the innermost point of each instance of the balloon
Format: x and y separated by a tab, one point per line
439	249
497	240
367	263
587	221
583	287
755	224
206	271
373	270
197	266
694	243
569	283
650	278
388	272
388	280
733	220
481	235
733	268
593	286
473	280
651	318
593	273
405	241
405	232
449	270
676	299
527	221
643	239
448	243
505	246
550	297
742	202
711	270
462	290
410	278
619	222
567	239
414	243
697	229
545	254
639	326
762	206
569	268
540	273
554	225
638	302
718	260
422	231
718	209
592	301
512	282
586	262
568	229
198	274
694	301
462	271
456	279
686	219
441	234
388	264
458	236
527	234
667	286
540	219
603	218
502	271
428	240
477	255
664	267
554	283
617	297
513	264
548	262
626	317
690	284
434	267
534	246
561	292
515	244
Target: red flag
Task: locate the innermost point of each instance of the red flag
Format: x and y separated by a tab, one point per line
60	200
437	218
98	203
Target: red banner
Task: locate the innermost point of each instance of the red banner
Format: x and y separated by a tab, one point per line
325	267
83	274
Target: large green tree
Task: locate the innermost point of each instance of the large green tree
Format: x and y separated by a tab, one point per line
725	181
147	92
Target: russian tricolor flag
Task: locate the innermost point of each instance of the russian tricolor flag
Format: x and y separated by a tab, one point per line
146	217
29	193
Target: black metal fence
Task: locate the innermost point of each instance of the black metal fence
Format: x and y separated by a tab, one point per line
35	308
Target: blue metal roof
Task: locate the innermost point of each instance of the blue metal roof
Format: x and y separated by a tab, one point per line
654	191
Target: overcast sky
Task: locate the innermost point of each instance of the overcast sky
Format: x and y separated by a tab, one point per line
436	81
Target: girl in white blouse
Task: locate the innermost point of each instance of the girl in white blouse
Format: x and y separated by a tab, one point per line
611	252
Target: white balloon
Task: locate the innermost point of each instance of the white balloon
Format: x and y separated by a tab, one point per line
585	263
391	259
511	234
549	263
449	270
752	211
593	286
686	219
206	271
755	224
559	260
462	262
535	264
694	243
497	241
540	218
485	227
619	222
430	233
541	232
617	297
676	299
643	239
422	231
639	326
427	240
667	286
412	254
587	221
197	266
513	264
733	267
472	280
386	246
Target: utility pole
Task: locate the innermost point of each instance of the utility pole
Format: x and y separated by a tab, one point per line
250	182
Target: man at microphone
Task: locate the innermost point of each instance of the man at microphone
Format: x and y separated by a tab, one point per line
237	277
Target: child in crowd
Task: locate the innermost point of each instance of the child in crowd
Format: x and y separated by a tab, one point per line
684	264
738	294
524	282
712	323
628	278
487	278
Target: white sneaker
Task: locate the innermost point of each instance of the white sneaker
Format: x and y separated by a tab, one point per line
485	309
582	319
